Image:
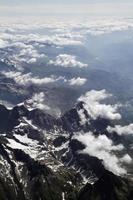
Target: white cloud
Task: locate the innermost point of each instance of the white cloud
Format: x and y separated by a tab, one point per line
18	49
121	130
68	33
103	148
37	101
21	47
83	119
3	43
77	81
24	42
56	40
36	38
27	79
23	53
99	27
96	108
65	60
126	159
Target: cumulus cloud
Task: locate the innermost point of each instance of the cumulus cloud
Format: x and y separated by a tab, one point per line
68	34
27	79
37	101
104	149
57	41
23	53
20	51
37	38
126	159
20	46
96	108
68	27
65	60
3	43
121	130
99	27
29	52
77	81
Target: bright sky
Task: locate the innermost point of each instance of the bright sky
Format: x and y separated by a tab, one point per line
39	8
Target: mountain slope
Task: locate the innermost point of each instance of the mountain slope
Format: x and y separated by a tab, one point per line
39	158
109	187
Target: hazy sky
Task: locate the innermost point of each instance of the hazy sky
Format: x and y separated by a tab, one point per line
7	2
36	8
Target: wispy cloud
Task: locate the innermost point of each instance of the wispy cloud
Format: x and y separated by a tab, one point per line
104	149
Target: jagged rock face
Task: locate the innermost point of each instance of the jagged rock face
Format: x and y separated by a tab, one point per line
42	119
109	187
10	118
29	179
29	167
71	121
39	158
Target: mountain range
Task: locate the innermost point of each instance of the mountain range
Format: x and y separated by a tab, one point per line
40	158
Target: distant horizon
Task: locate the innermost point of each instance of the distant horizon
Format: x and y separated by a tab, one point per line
32	9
